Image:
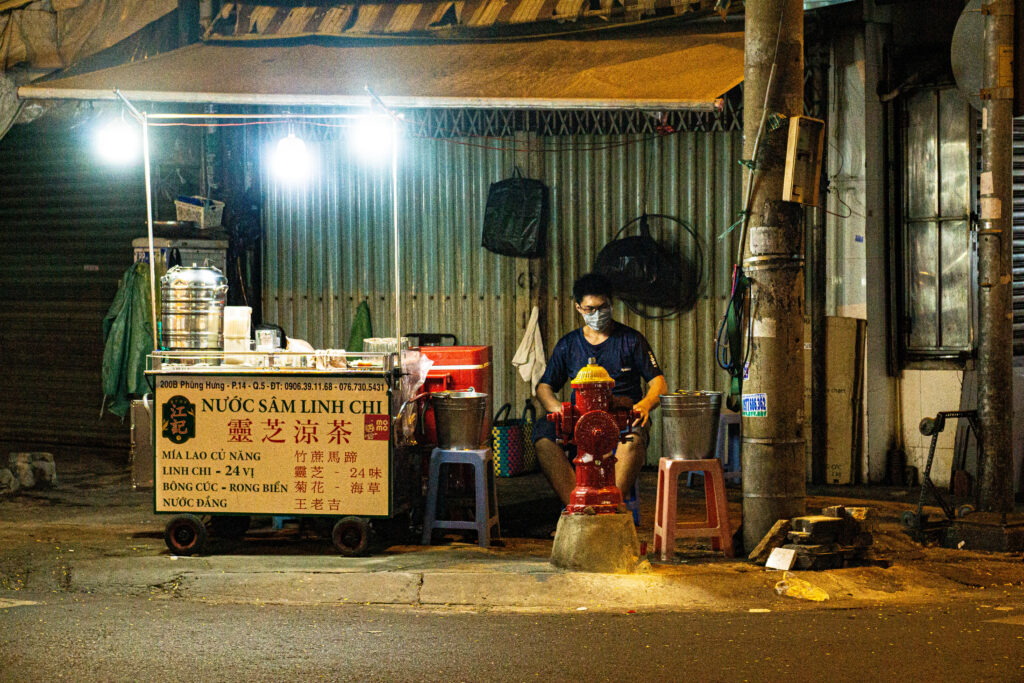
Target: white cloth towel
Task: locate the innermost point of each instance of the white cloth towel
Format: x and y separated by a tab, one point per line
529	358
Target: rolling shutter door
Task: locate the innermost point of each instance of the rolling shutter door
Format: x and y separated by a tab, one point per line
67	229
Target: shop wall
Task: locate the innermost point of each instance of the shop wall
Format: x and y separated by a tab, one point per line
924	393
328	242
67	224
855	226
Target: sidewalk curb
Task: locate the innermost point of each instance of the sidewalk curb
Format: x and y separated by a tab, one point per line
512	585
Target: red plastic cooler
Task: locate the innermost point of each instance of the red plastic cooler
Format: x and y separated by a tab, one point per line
457	367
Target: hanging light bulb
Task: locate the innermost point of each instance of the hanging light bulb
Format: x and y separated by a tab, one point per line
117	141
371	137
291	162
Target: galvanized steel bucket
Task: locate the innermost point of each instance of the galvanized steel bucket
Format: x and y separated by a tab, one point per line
460	418
689	424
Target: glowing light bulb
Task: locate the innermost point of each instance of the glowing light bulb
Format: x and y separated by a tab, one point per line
291	162
371	138
117	142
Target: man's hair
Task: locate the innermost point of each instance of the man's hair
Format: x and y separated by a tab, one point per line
592	284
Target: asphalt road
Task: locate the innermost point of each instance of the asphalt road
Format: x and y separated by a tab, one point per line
100	638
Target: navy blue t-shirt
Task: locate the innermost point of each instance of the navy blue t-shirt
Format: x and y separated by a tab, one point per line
626	356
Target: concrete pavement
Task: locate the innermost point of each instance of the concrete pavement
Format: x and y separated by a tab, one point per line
95	535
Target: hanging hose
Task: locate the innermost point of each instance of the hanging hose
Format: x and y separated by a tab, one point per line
732	346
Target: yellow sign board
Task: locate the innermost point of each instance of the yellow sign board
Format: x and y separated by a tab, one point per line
296	445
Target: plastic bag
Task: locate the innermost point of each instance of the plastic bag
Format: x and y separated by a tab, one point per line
795	587
516	216
642	271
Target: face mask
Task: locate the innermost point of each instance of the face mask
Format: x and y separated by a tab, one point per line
599	319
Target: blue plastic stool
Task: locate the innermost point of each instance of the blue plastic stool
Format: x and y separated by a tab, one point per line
486	515
727	447
632	501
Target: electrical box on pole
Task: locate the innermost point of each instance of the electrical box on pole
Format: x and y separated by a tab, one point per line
802	179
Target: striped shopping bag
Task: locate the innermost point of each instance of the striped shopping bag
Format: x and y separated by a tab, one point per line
512	443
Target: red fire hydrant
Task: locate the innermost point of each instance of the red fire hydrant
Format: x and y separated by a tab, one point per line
594	426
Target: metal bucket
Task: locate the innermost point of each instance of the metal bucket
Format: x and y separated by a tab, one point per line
689	424
192	308
460	418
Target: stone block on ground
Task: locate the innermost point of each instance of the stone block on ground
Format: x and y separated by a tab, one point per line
775	537
826	556
817	529
596	543
9	483
45	473
23	471
865	517
16	457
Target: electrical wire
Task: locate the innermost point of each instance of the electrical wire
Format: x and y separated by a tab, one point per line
725	356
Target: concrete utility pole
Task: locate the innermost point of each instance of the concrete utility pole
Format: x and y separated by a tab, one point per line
773	443
995	261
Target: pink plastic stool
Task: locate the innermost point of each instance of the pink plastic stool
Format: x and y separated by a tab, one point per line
716	526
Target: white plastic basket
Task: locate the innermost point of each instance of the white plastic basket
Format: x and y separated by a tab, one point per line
206	213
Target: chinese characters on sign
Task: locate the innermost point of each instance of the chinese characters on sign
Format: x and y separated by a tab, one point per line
245	445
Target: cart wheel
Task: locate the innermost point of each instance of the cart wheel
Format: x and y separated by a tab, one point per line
230	527
185	535
351	536
909	519
964	510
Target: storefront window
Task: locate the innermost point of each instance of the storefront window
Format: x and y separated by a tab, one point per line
937	299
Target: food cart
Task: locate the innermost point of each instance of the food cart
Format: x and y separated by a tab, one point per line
308	435
280	434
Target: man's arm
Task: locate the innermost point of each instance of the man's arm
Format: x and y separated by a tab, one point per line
655	388
547	398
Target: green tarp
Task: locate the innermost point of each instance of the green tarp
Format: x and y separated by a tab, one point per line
128	339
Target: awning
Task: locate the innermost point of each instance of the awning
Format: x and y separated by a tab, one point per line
661	70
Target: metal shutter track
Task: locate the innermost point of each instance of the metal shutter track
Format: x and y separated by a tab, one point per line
1018	237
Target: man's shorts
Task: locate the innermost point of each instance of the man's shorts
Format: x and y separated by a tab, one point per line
544	429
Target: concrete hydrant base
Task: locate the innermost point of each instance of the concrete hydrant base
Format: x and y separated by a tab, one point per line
596	543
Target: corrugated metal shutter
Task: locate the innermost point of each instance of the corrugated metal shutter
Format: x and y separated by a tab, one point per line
328	244
328	247
1018	237
601	186
67	230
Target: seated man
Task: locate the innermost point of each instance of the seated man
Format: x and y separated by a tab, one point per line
627	357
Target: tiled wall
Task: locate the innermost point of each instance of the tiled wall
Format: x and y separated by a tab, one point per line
925	393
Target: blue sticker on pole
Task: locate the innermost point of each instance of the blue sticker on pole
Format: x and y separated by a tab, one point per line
755	405
746	371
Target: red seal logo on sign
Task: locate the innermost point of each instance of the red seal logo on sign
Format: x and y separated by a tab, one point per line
376	428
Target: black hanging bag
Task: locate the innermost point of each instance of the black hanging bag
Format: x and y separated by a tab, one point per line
516	216
640	270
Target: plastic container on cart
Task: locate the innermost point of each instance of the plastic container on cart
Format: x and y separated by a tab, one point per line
205	213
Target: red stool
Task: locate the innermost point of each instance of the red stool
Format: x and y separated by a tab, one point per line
716	526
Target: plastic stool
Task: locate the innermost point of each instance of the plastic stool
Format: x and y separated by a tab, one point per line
486	515
727	447
632	502
716	526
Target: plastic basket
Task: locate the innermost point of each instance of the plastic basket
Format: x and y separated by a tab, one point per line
206	213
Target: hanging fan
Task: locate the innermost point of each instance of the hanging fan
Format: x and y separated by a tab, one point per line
648	273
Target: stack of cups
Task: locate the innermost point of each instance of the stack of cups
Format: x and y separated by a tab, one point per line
237	323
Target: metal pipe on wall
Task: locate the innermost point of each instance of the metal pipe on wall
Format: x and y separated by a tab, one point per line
774	478
995	265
